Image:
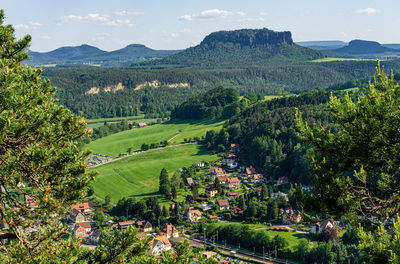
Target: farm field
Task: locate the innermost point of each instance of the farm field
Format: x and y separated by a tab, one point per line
292	237
118	143
138	176
329	59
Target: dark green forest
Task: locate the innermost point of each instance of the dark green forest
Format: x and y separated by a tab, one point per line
277	78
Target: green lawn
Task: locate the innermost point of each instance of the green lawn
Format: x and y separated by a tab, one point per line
119	143
292	237
137	176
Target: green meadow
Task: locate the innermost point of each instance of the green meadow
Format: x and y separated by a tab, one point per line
137	176
119	143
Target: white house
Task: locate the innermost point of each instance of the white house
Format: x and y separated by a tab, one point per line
160	244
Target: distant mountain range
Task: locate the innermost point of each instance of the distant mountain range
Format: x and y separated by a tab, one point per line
354	48
89	55
245	47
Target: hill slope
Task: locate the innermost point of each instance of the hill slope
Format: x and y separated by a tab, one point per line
240	48
86	54
357	47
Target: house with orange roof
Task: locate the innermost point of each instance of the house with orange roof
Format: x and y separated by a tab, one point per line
126	224
85	207
160	244
222	179
143	124
232	183
169	230
257	178
193	215
250	171
232	195
86	225
216	171
223	204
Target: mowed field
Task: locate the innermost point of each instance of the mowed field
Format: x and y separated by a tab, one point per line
119	143
138	176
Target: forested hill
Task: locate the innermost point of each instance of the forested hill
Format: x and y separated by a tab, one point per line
237	48
99	92
216	103
86	54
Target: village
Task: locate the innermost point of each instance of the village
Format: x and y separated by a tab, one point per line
219	193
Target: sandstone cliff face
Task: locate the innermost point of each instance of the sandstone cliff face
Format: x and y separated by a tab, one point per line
250	37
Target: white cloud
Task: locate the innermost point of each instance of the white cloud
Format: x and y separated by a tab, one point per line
128	13
241	13
96	17
253	19
207	14
368	10
104	20
118	23
263	13
45	37
30	25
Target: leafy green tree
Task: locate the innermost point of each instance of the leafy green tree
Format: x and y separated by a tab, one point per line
40	162
98	218
108	199
381	247
144	147
164	185
273	210
356	162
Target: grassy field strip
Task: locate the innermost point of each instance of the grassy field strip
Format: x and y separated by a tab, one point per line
137	176
341	59
118	143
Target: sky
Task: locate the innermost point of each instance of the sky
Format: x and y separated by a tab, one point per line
179	24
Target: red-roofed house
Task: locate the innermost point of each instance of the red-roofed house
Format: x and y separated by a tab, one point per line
85	207
142	124
169	231
232	195
250	171
222	179
193	215
257	178
223	204
232	183
126	224
87	226
216	171
160	244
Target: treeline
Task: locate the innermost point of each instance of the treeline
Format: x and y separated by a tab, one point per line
343	251
217	103
275	78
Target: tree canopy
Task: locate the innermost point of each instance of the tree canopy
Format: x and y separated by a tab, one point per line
356	162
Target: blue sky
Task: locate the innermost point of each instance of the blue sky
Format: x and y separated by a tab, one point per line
178	24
